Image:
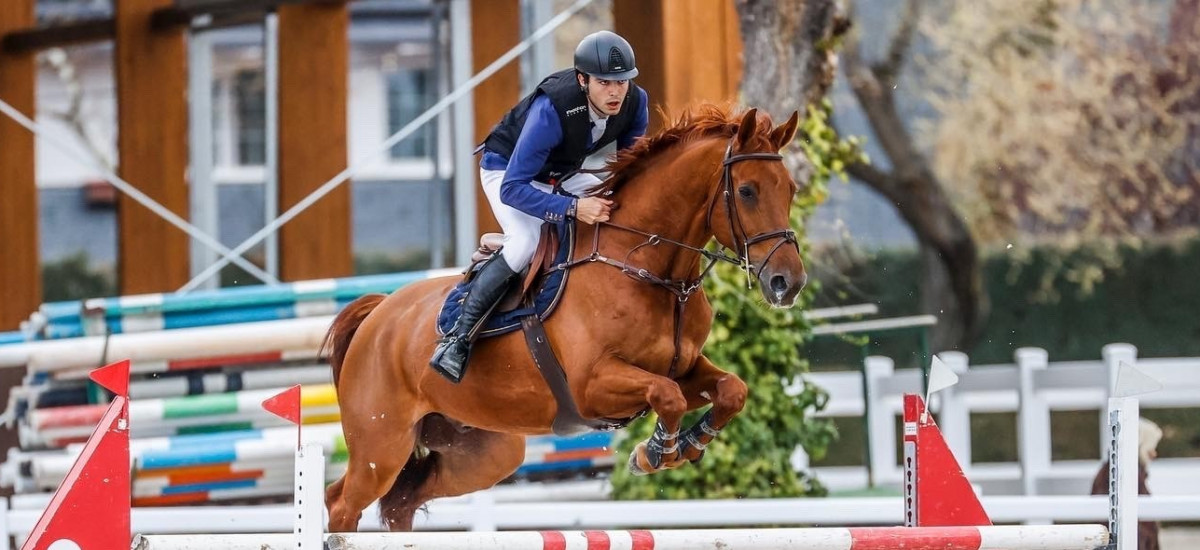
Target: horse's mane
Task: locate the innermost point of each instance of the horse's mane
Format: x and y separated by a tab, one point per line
696	122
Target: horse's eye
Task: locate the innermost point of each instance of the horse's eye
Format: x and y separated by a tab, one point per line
746	191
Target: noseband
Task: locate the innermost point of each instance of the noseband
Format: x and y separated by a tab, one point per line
683	289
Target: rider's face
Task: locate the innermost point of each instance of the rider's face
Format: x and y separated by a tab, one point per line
606	96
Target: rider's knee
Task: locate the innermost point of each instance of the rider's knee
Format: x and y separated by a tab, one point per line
518	251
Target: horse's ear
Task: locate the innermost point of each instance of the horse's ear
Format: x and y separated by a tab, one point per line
747	127
786	132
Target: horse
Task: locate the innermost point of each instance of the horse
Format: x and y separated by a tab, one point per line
626	342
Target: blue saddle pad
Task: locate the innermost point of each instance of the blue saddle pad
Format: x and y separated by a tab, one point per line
503	322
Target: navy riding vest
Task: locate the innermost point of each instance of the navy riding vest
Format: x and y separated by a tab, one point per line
571	104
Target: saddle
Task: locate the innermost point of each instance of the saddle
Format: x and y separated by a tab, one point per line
531	278
526	305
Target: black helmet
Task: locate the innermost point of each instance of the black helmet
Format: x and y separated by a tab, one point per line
605	55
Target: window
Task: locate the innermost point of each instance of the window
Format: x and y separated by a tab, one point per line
249	88
408	95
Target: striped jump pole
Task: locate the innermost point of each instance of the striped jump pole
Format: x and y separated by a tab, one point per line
1043	537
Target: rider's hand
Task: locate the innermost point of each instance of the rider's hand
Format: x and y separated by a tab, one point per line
590	210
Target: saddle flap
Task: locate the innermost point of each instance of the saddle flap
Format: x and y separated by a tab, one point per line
543	259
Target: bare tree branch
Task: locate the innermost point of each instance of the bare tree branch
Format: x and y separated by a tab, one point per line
889	69
881	181
948	249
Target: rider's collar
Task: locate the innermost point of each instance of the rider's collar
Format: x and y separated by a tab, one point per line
592	114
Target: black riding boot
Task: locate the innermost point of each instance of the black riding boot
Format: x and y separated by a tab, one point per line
450	357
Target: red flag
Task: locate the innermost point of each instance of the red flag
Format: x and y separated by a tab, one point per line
91	506
114	377
285	404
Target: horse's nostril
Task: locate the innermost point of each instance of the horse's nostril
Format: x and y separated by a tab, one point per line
779	283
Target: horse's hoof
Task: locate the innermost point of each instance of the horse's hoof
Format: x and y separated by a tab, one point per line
636	467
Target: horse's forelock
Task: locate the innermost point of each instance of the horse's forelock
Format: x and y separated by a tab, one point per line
697	122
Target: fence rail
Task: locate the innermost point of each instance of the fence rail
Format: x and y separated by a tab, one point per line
1032	387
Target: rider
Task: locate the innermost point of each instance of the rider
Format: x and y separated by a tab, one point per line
572	114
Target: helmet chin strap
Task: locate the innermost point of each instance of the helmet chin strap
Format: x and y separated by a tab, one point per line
587	89
587	92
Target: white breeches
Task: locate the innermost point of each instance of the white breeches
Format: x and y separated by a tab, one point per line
522	231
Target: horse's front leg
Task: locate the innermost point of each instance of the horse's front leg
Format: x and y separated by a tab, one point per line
707	383
620	389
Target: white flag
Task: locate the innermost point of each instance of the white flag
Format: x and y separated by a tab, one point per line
940	376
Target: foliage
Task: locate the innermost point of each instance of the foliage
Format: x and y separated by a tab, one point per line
72	279
1068	119
752	457
408	260
1150	302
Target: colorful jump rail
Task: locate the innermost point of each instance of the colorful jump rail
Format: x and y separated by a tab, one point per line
154	312
91	508
185	381
259	463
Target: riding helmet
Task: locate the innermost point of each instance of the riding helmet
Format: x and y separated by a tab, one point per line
605	55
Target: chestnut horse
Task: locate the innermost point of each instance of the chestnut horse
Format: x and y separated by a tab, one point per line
625	345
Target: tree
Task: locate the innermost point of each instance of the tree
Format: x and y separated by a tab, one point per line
1065	121
950	257
1068	119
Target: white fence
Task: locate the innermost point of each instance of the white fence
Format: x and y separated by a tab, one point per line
1032	387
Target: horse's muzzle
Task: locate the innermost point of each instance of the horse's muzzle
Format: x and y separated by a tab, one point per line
780	287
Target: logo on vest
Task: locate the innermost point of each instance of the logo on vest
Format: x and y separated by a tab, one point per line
576	110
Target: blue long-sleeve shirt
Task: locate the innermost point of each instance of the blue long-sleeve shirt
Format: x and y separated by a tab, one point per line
542	133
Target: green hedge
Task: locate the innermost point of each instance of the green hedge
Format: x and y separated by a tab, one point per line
1150	301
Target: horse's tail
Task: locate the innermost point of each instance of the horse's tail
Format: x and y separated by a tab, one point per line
337	340
396	506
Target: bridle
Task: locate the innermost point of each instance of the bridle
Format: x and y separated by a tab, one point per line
786	235
683	288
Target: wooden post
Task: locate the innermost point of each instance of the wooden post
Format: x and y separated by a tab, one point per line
495	28
20	270
151	76
687	50
314	57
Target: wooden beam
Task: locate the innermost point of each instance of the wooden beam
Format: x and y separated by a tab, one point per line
20	269
32	39
688	51
182	13
495	28
314	57
221	13
151	73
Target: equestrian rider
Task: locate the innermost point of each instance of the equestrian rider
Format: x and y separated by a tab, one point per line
572	114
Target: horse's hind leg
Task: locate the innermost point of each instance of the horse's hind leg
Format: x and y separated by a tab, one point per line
704	383
460	462
378	451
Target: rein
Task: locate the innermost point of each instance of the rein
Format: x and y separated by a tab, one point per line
683	288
